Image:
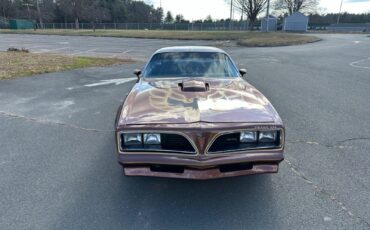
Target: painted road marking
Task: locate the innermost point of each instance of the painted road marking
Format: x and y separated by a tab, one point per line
127	51
355	64
118	81
50	50
4	162
34	47
124	52
86	51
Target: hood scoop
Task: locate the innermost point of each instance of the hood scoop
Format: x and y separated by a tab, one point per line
194	86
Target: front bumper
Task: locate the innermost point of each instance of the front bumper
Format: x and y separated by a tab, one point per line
200	167
199	174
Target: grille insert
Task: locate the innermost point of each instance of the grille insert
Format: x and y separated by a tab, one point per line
176	142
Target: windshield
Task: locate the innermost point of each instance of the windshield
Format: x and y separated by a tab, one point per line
190	64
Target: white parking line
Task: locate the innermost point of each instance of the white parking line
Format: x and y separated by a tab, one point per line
124	52
118	81
127	51
50	50
86	51
4	162
355	64
34	47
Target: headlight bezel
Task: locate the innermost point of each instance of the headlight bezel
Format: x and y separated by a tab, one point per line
241	147
141	141
260	138
162	148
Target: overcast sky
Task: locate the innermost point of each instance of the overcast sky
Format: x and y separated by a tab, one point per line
199	9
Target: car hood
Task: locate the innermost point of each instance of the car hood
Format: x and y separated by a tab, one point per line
184	101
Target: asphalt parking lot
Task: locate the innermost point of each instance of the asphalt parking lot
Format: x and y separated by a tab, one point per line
57	153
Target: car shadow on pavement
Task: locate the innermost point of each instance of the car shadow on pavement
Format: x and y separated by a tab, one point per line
209	204
108	199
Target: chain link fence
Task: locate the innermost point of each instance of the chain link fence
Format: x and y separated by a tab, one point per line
216	26
4	23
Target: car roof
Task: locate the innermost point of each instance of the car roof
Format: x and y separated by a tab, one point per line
190	49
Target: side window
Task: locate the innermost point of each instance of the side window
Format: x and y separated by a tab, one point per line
232	70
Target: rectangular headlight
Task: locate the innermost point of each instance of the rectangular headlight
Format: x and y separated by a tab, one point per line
268	136
248	137
132	139
152	138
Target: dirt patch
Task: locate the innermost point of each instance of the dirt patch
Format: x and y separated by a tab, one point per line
19	64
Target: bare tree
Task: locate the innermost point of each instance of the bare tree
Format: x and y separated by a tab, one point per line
45	10
5	8
39	14
94	12
292	6
72	8
252	8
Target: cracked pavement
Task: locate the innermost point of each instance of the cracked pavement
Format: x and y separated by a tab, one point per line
57	153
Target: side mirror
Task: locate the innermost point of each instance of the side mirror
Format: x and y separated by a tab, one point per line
137	72
243	72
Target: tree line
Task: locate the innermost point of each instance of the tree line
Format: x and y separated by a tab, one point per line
126	11
345	17
94	11
253	8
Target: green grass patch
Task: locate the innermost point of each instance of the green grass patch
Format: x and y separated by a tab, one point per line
20	64
277	39
244	38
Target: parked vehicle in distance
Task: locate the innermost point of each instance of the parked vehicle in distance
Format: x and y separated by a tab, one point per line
193	115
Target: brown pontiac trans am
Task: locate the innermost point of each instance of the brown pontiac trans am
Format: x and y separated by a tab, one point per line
191	115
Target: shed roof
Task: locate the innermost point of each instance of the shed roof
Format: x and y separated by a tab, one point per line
297	14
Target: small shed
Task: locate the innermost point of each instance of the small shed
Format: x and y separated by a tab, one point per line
272	22
297	22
